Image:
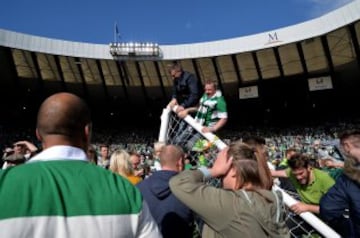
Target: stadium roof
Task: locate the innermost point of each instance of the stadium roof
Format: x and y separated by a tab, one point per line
33	67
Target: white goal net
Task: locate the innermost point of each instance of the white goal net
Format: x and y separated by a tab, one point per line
202	148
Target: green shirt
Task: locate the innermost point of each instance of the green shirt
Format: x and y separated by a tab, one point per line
211	109
333	172
312	193
284	163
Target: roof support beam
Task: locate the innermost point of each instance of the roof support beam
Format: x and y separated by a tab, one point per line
278	61
302	58
122	78
329	61
327	53
106	92
61	73
218	77
305	69
355	42
147	99
260	81
83	82
9	60
39	79
237	70
125	72
257	65
197	73
157	69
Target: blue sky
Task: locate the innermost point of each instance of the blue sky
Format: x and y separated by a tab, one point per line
160	21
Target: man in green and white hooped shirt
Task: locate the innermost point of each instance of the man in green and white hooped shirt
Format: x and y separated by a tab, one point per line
211	112
58	193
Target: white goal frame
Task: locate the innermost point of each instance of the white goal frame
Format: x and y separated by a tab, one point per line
310	218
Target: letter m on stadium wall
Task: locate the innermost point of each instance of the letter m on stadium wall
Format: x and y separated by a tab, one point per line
272	37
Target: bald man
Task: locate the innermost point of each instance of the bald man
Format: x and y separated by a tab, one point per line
58	193
172	216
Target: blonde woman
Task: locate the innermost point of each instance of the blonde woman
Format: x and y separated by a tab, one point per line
120	164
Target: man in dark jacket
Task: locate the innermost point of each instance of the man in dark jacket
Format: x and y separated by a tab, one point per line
187	88
172	216
187	91
340	207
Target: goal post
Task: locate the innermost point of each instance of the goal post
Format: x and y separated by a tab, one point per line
168	128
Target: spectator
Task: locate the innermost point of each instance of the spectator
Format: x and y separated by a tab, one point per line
187	89
243	207
330	165
91	154
288	154
310	183
158	146
58	193
258	144
344	196
135	160
25	148
120	164
318	149
212	111
6	153
21	152
187	163
211	114
285	182
172	216
104	160
13	160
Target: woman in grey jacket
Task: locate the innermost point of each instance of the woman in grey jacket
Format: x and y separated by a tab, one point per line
243	207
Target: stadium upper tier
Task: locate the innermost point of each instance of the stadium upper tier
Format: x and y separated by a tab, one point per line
274	69
310	29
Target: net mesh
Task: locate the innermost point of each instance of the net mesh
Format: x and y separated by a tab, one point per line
202	152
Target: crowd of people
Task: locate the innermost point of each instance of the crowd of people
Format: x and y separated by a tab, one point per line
298	156
69	180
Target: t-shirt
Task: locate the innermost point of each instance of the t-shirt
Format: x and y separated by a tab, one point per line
134	179
211	109
312	193
68	198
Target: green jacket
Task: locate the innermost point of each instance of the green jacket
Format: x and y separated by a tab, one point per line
228	213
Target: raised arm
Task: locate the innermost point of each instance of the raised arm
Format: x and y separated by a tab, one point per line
279	173
205	200
219	124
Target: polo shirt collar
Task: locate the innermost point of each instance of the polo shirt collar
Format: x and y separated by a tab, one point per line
60	152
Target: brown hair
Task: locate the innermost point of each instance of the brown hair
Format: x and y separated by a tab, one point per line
290	150
258	144
212	82
299	161
175	65
247	166
353	135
